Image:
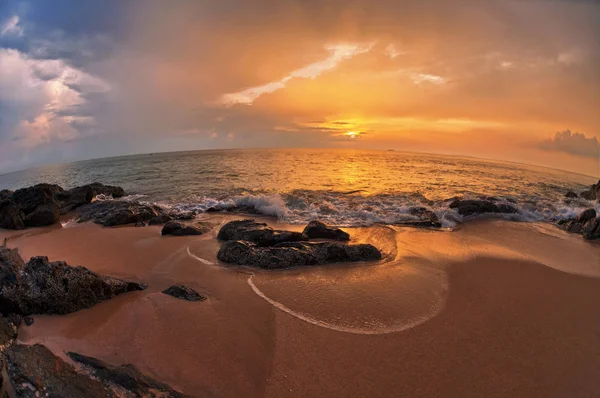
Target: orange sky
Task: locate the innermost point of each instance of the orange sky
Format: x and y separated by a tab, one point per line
493	79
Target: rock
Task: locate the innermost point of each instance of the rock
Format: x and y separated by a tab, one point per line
5	194
161	219
28	199
101	189
593	193
427	218
8	331
127	377
318	230
44	215
258	233
10	215
11	264
110	213
591	229
184	293
470	207
291	254
247	253
572	226
78	196
37	204
34	371
179	229
571	195
586	216
43	287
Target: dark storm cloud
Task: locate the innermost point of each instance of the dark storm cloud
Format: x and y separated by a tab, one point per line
573	143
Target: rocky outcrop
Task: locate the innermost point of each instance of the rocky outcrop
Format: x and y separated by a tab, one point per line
571	195
255	244
42	204
110	213
586	216
37	204
184	293
5	194
127	377
8	331
472	207
179	229
293	254
318	230
10	215
426	218
593	193
79	196
258	233
591	229
34	371
160	219
43	287
586	223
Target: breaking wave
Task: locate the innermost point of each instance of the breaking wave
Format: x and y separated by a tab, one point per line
351	209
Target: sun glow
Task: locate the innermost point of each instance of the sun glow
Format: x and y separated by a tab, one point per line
351	134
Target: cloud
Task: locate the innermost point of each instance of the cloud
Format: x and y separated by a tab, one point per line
11	27
573	143
41	99
337	54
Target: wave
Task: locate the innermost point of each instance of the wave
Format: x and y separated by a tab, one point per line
353	209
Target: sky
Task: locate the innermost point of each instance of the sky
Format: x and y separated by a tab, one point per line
509	80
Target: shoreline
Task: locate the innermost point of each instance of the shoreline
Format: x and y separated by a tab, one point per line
519	314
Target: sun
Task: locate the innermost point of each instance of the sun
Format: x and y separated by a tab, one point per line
351	134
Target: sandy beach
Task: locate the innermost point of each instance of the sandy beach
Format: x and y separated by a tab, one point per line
492	309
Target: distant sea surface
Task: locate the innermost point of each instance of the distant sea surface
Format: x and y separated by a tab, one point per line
343	187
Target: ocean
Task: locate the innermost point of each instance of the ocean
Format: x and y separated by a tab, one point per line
344	187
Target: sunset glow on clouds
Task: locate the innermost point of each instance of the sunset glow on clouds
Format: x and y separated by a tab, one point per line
494	79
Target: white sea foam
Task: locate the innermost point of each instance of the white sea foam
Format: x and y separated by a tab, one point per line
355	210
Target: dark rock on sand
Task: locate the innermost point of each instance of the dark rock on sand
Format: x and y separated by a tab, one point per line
8	331
10	215
78	196
571	195
586	223
43	287
572	226
258	233
291	254
593	193
44	215
111	213
427	218
591	229
34	371
318	230
161	219
11	265
179	229
470	207
5	194
28	199
586	216
37	204
184	293
127	377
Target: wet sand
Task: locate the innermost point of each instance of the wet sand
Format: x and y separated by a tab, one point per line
492	309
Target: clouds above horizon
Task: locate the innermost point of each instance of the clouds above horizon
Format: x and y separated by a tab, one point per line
90	79
574	143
